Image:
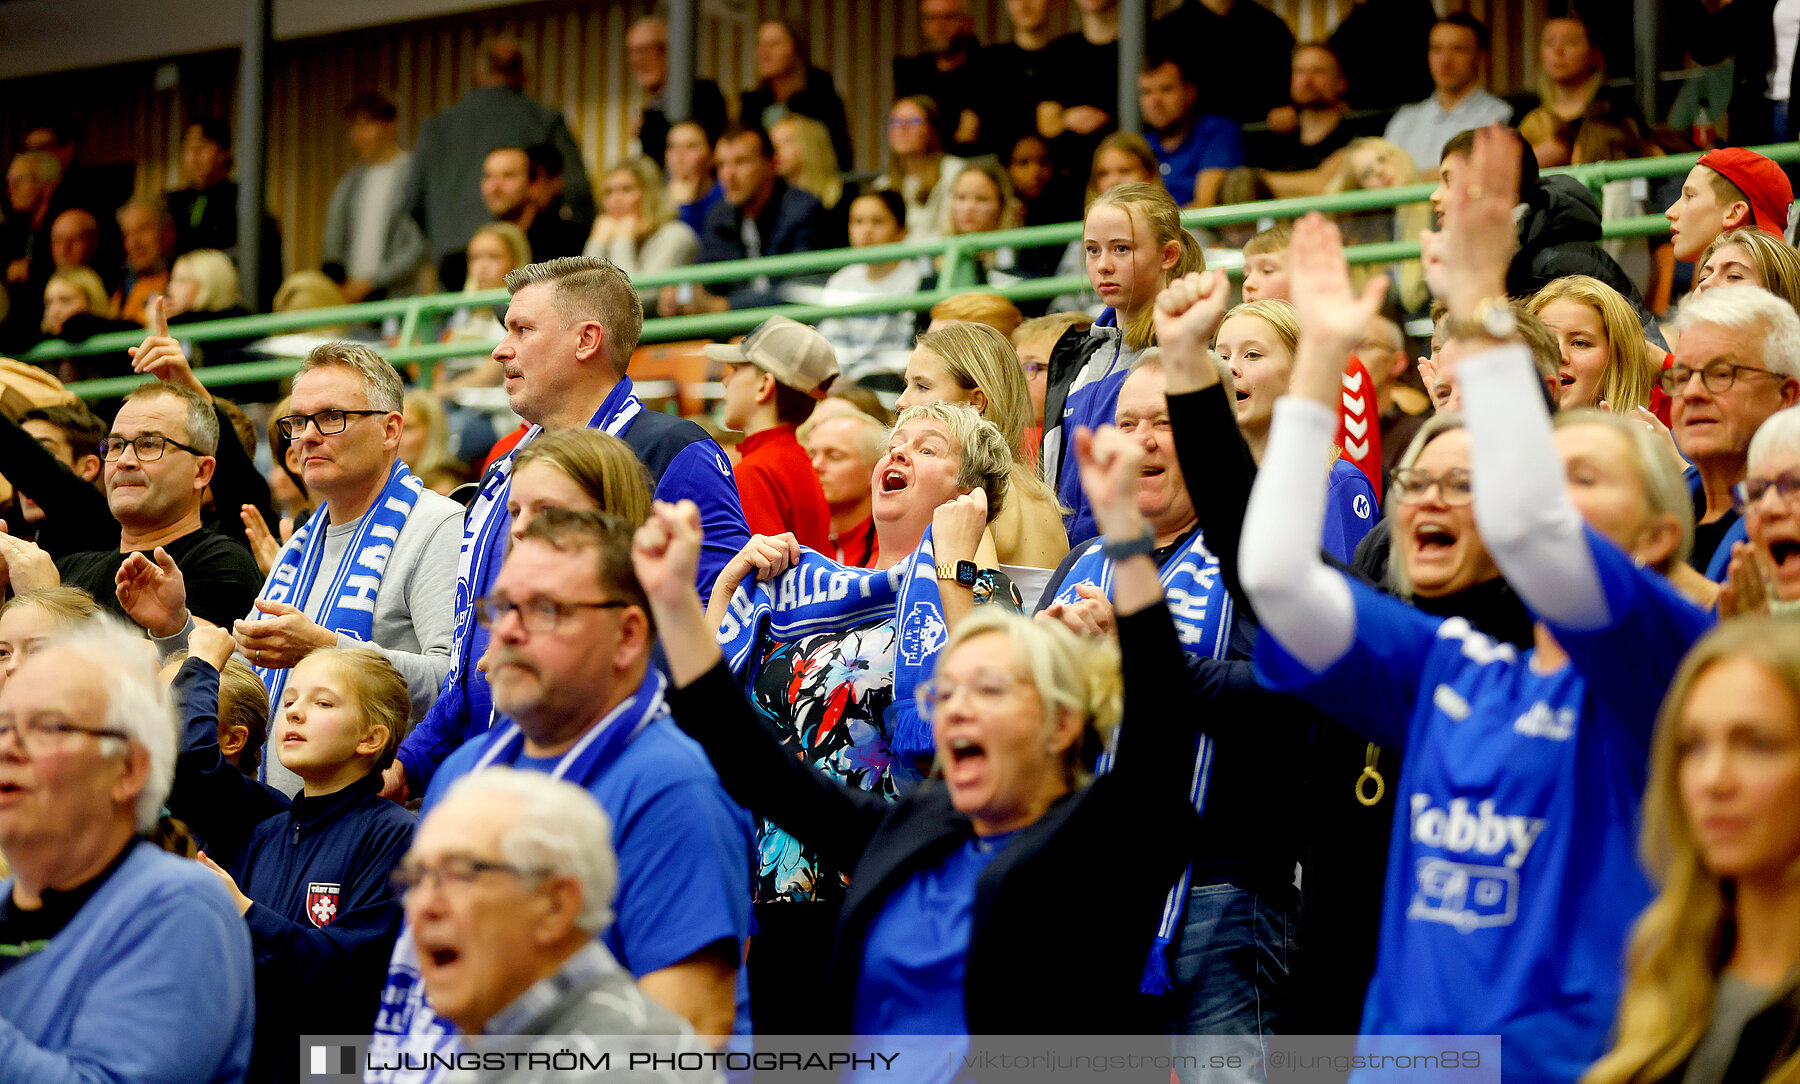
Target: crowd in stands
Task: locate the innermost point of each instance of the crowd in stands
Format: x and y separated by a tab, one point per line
1179	657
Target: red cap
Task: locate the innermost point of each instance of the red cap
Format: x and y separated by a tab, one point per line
1760	180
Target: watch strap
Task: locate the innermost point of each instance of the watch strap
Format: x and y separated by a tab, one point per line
1118	549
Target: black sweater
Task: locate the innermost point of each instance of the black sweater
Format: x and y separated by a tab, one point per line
1064	916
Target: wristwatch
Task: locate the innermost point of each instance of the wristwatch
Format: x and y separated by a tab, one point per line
962	573
1119	549
1493	318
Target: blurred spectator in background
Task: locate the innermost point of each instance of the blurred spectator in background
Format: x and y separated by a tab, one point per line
647	51
148	234
918	168
1382	46
370	242
1572	90
788	82
555	230
1084	93
1458	54
1194	148
689	164
952	72
75	240
71	294
1298	158
444	187
872	349
845	448
805	160
205	210
31	180
1240	54
637	229
1015	73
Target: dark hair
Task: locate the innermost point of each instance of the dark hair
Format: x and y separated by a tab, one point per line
1155	56
892	200
80	427
503	59
792	406
797	34
739	131
1467	22
544	160
372	105
61	124
1463	143
564	529
214	129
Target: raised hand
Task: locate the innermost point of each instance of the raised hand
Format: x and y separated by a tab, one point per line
665	552
1331	314
153	593
1188	313
1746	586
262	542
161	356
1109	463
956	527
211	644
1467	261
280	642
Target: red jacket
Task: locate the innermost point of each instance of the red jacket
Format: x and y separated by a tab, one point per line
779	490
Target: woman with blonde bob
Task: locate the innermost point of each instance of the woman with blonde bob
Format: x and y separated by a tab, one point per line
1712	988
639	230
805	159
975	365
1603	354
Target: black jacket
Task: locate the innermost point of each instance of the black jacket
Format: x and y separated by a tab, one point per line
1064	916
1743	30
791	221
818	99
1770	1038
1560	235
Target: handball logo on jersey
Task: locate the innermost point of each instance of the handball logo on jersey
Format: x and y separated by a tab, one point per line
322	902
1469	895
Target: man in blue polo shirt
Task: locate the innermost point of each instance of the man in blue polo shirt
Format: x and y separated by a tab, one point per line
1193	149
569	660
571	328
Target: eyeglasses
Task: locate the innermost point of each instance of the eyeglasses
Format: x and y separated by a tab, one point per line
906	122
1411	485
328	422
536	614
41	737
1718	377
1750	491
987	691
148	448
456	870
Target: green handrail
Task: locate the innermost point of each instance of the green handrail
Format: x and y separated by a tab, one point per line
957	253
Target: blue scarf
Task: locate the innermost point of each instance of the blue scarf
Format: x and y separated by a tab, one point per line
819	595
405	1016
1201	608
482	548
349	608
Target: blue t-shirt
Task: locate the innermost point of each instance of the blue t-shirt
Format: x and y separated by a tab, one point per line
1350	508
1211	143
1512	878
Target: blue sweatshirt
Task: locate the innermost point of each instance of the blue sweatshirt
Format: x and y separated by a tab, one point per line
324	918
150	982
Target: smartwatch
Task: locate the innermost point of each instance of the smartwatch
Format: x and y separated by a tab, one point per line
1119	549
962	573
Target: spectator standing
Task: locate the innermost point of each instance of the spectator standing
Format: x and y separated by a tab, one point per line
444	189
761	215
1246	50
647	51
1083	96
373	243
113	947
1193	149
787	81
1016	72
772	381
1458	54
1760	38
953	72
844	449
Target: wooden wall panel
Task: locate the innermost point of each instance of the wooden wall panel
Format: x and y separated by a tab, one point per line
578	65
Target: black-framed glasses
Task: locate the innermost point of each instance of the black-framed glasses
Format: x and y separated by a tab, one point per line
328	422
148	448
40	737
1411	484
538	614
456	870
1750	491
1718	377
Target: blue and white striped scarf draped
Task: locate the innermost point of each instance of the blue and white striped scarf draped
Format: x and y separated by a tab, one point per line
350	601
819	595
1201	608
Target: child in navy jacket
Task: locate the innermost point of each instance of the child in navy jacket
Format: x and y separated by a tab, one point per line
313	882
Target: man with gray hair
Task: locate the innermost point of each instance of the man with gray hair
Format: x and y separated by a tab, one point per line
371	566
508	888
117	960
1736	363
571	328
158	462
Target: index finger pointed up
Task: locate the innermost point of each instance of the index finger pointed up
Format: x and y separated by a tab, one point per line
158	324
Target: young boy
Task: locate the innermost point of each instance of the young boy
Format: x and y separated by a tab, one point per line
773	379
314	880
1728	188
1265	263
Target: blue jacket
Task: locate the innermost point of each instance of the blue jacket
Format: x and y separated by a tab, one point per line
324	918
219	804
150	982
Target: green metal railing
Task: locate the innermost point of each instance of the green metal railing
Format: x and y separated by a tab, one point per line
957	261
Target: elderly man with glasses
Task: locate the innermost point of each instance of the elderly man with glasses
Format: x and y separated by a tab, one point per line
509	883
158	461
374	564
569	662
117	961
1737	362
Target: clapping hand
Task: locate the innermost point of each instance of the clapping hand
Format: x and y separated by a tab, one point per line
153	593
